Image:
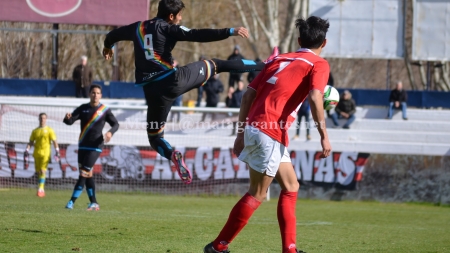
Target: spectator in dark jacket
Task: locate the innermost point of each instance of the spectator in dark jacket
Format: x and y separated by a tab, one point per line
346	109
398	99
253	74
212	88
236	99
303	111
236	55
82	76
229	96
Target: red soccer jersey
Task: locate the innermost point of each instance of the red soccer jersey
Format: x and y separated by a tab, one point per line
281	87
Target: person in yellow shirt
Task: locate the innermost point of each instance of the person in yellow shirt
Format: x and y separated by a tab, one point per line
41	138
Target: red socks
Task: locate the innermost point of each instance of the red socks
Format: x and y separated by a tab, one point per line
239	216
287	220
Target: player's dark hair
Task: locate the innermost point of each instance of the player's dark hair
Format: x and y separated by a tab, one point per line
312	31
95	86
167	7
42	113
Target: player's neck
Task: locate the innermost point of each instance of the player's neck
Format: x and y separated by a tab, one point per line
317	51
94	104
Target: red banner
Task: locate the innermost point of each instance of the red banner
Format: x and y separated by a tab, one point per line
92	12
117	163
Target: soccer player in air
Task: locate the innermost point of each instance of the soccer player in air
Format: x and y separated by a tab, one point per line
154	41
93	117
41	138
267	111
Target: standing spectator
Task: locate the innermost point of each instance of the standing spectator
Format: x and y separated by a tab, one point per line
398	99
200	89
235	76
346	109
252	75
235	102
41	138
177	101
82	76
330	80
331	83
303	111
212	88
229	97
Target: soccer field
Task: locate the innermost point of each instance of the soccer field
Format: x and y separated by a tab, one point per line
154	223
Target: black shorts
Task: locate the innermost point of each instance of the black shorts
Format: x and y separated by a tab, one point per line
87	158
161	94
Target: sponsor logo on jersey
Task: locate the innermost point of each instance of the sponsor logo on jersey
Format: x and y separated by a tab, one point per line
202	72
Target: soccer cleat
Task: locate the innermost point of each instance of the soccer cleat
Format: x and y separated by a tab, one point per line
299	251
41	193
93	207
275	53
210	249
182	169
69	204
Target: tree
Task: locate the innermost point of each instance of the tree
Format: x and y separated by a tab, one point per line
270	24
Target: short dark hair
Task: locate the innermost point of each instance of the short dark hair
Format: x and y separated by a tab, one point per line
312	31
95	86
167	7
42	113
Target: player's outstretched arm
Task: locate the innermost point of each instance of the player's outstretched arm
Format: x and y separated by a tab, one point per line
316	103
70	118
182	33
116	35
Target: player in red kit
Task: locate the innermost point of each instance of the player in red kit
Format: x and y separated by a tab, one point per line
268	109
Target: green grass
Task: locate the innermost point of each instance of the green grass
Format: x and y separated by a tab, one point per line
149	223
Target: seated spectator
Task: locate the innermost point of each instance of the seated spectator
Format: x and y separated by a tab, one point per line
397	100
212	88
236	99
303	111
346	109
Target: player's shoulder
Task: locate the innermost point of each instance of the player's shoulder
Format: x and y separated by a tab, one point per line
35	130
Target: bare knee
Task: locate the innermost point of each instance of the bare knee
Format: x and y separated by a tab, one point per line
291	186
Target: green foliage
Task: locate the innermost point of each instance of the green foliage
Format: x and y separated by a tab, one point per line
152	223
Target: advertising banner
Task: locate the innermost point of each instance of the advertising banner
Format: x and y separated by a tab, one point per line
91	12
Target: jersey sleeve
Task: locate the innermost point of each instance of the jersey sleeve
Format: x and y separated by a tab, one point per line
75	116
119	34
33	136
319	75
52	134
182	33
112	121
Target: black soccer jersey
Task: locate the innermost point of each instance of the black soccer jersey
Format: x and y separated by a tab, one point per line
154	41
92	122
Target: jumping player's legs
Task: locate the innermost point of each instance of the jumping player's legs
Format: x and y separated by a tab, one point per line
86	161
160	97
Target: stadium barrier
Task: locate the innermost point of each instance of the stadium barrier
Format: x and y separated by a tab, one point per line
56	88
128	164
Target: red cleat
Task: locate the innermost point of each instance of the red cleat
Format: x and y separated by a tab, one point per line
182	169
275	53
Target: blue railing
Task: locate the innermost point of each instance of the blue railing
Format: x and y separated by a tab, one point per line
53	88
